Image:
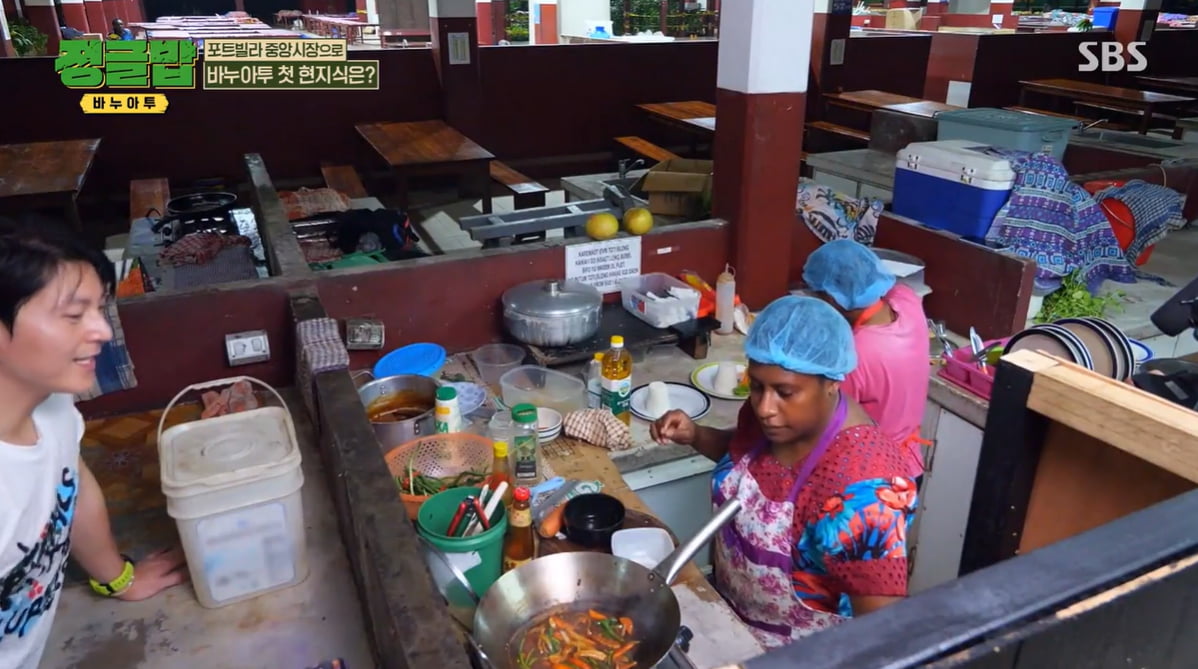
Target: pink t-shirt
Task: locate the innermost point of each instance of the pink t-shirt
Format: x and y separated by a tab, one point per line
891	379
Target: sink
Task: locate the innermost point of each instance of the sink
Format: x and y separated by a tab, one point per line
625	186
1134	140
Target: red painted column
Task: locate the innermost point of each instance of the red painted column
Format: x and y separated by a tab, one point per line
96	18
74	15
461	84
41	15
1136	20
542	22
6	48
761	90
486	30
114	9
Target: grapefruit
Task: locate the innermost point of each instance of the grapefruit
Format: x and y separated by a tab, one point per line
638	221
602	226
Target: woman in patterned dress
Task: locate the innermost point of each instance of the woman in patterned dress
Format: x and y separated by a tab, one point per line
822	535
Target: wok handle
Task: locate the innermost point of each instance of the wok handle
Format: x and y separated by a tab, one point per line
667	570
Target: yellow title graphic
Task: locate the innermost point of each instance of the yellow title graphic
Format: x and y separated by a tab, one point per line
107	103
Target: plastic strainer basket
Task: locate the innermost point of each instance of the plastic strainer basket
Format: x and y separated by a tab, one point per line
439	455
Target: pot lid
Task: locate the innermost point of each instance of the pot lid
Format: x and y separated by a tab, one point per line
423	359
552	299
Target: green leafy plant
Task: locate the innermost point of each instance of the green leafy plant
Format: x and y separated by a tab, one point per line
26	39
1073	300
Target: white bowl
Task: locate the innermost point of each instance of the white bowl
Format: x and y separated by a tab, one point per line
548	420
646	546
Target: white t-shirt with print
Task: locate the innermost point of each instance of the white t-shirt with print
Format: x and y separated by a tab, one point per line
38	493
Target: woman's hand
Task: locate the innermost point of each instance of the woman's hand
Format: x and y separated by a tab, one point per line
155	573
674	426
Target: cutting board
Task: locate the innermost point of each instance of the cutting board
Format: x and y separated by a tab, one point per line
632	519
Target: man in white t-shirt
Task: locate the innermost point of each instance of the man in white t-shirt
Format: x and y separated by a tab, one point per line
52	293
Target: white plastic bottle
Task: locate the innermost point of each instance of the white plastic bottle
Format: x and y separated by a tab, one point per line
725	298
594	380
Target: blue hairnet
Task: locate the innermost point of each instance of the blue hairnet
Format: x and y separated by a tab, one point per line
804	335
852	274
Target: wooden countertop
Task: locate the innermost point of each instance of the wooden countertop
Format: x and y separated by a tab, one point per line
421	143
42	168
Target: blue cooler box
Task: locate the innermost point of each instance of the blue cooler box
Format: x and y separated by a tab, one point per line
1034	133
952	185
1105	17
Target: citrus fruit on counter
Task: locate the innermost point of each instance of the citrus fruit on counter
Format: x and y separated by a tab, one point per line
638	221
602	226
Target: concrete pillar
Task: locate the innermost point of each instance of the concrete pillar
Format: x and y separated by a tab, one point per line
454	27
372	12
764	53
74	15
97	19
41	15
6	49
1136	20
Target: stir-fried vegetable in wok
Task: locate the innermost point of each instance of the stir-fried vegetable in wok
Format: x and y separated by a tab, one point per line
577	640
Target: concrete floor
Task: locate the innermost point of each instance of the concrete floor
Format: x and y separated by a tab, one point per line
1174	259
315	621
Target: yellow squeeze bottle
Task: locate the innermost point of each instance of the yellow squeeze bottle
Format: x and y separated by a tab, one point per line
616	380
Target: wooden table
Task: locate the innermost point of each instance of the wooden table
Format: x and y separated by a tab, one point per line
869	100
45	174
694	116
1185	85
431	147
1145	103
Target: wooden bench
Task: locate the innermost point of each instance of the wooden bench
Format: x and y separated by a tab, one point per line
841	130
527	193
146	195
1105	125
647	149
344	178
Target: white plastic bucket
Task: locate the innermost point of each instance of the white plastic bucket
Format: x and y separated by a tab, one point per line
232	484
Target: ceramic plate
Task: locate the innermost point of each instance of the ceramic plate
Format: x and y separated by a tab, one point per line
684	397
1141	352
1103	350
471	396
1076	346
1127	361
703	378
1039	340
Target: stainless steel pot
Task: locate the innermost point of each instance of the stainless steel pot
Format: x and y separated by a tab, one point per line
596	580
408	390
553	312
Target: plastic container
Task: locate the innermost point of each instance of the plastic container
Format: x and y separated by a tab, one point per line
1034	133
634	293
232	483
725	300
1104	17
479	557
646	546
952	185
593	378
525	454
542	387
968	375
494	360
448	415
419	359
438	455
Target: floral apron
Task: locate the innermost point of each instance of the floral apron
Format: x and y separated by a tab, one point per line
753	554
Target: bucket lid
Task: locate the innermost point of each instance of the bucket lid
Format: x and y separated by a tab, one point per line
422	359
227	450
1006	119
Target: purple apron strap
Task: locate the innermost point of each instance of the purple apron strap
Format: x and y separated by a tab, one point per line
825	441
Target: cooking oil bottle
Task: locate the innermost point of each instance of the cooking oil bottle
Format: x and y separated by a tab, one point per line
617	380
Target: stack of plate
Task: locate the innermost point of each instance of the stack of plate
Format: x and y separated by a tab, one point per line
1092	343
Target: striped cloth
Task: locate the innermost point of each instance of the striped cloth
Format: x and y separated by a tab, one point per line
1156	209
318	348
114	367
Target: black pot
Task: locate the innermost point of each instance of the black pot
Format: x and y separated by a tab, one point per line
590	520
198	212
200	203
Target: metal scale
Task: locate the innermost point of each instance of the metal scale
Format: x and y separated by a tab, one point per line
530	225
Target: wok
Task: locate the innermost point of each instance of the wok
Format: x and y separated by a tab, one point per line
572	581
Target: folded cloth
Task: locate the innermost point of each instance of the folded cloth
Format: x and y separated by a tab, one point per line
199	247
598	427
831	215
114	367
318	349
307	202
1156	210
234	399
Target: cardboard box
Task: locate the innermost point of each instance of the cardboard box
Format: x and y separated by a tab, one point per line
677	187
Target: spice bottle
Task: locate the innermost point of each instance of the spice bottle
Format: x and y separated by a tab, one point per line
501	470
725	301
617	380
524	439
519	546
448	416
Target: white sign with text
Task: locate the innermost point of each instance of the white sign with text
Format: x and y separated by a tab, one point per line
604	264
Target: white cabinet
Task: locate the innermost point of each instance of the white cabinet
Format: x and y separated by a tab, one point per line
945	498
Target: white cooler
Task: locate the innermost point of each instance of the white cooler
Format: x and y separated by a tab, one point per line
955	185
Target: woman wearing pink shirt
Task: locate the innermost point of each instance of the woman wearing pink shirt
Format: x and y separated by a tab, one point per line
890	333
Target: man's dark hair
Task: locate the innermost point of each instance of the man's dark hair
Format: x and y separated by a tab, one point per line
32	248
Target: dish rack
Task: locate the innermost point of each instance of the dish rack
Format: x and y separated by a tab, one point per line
959	369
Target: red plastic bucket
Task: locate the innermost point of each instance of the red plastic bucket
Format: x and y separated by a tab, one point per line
1123	223
1093	187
